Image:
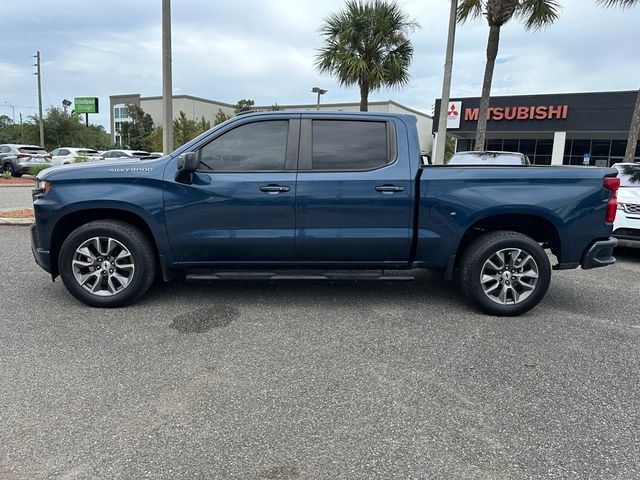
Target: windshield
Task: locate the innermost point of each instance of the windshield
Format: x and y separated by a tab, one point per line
88	152
486	158
629	175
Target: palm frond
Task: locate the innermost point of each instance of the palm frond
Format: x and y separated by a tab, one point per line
470	10
537	14
618	3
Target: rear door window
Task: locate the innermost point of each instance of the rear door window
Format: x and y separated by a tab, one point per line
349	145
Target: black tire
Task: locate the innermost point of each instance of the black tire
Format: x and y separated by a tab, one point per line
8	167
136	242
477	255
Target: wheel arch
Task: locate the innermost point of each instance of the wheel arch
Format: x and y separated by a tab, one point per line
72	220
538	227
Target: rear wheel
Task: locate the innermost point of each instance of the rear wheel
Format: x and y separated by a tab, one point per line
107	263
505	273
8	167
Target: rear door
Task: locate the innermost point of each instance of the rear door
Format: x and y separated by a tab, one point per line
240	207
354	191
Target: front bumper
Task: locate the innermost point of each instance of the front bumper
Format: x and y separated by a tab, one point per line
42	256
600	254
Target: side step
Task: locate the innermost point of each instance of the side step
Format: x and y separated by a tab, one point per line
207	275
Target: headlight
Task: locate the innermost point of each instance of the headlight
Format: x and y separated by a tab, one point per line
44	186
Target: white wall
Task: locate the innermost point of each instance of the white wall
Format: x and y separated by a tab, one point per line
193	108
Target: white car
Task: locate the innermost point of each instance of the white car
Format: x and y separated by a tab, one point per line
66	155
626	227
124	154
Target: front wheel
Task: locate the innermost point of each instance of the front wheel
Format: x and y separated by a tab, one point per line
107	263
505	273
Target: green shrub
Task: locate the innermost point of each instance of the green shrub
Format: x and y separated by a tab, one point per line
35	170
6	175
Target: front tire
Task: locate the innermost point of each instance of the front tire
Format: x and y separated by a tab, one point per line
107	263
505	273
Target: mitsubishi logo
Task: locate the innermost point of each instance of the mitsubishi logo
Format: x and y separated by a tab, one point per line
453	112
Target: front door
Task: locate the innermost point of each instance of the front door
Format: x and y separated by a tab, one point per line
240	206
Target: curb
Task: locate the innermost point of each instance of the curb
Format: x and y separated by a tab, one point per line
14	185
17	221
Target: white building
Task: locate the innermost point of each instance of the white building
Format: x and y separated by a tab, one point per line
197	107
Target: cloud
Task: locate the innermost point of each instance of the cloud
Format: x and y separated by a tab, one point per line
265	51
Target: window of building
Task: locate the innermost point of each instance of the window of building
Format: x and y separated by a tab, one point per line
494	145
258	146
349	145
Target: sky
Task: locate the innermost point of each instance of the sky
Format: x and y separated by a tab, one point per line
265	49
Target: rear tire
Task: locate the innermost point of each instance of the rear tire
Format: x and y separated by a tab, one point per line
107	263
504	273
8	167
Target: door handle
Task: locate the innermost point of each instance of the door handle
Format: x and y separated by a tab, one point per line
273	189
389	189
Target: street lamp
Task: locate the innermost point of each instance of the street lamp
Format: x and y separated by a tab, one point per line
66	104
319	91
13	109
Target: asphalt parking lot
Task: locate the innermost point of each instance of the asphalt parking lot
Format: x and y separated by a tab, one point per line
318	380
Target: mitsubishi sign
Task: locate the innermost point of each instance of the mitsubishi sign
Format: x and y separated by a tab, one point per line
454	112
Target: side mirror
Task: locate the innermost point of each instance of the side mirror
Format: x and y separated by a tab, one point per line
187	164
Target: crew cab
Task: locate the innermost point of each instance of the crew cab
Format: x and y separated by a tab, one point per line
319	195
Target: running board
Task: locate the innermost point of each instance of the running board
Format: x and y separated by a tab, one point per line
207	275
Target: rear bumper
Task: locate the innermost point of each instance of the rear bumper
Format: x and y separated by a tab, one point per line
42	256
600	254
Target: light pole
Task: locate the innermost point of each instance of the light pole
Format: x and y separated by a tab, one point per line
167	90
441	136
13	109
319	91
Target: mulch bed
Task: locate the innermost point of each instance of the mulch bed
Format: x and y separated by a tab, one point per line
25	213
16	181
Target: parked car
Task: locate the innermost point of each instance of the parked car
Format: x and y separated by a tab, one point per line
343	193
626	228
124	154
18	159
489	158
67	155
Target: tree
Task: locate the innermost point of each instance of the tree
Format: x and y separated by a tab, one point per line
221	117
243	104
136	134
535	14
61	130
634	130
367	44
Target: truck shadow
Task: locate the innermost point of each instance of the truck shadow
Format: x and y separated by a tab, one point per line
428	285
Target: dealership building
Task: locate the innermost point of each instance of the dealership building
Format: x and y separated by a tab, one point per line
197	107
557	129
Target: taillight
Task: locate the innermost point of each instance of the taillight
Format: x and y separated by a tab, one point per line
612	183
24	155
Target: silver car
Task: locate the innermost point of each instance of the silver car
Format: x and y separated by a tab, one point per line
18	159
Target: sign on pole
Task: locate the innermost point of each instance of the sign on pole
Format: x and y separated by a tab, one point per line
86	104
586	159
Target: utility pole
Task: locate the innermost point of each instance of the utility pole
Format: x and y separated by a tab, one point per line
441	136
167	90
21	129
39	75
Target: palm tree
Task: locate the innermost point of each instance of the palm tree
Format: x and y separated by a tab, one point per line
367	44
535	14
634	130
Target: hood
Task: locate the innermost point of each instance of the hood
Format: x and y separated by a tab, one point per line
102	169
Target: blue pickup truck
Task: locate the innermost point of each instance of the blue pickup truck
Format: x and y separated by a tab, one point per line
319	195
